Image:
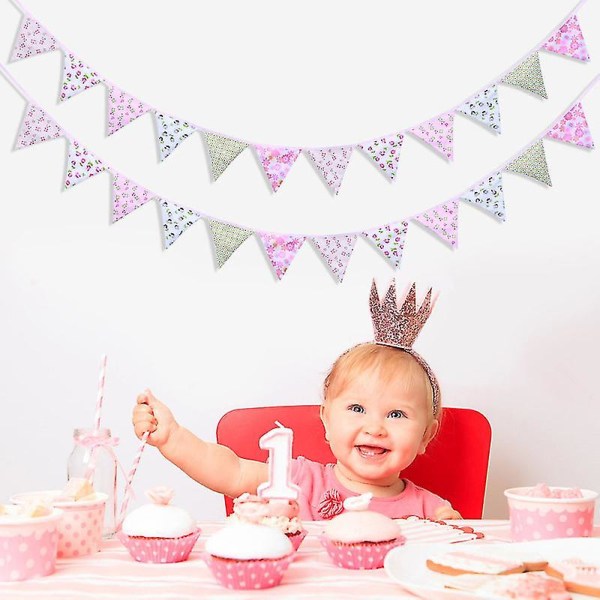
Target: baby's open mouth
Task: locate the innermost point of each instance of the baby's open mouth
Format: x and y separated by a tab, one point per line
371	451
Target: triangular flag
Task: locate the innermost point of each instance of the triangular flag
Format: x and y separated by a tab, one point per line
385	152
332	163
389	240
336	250
122	109
438	133
127	196
489	196
175	220
443	221
281	249
484	107
532	163
36	127
77	77
227	239
528	76
573	128
222	152
81	165
277	163
32	39
568	40
171	132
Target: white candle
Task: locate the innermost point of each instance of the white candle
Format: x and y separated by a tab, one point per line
278	442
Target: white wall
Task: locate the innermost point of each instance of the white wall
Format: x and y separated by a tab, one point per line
514	331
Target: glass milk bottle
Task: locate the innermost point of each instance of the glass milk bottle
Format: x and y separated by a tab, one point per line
93	457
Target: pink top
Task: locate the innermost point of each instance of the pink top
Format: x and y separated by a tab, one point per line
321	495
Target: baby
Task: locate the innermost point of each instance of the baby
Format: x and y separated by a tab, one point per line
381	408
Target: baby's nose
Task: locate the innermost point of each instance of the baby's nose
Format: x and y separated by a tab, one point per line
375	428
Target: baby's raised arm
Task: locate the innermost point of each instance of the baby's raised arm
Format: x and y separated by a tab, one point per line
215	466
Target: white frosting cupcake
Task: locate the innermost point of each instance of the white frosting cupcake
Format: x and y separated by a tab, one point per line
160	519
248	541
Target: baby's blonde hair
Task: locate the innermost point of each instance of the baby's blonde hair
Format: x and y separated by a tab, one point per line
391	362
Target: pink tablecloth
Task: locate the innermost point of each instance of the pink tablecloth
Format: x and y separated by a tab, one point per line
111	574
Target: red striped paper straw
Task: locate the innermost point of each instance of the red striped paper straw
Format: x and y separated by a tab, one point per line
100	398
130	476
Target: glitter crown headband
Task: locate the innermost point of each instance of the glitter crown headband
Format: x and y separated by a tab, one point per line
399	326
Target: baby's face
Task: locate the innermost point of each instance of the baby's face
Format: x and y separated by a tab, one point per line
376	427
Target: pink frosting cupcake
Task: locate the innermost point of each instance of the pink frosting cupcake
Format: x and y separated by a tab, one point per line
159	532
359	538
282	514
248	556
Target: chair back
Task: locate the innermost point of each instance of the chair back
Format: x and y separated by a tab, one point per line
454	467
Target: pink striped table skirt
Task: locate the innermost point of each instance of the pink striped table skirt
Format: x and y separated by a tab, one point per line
112	574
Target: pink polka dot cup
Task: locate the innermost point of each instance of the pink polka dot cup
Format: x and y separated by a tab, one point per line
537	518
28	545
80	530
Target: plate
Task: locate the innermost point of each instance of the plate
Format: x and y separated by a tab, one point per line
406	564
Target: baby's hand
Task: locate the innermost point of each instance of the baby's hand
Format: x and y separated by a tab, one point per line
152	415
443	513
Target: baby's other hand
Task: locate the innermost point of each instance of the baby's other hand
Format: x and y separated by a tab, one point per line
443	513
150	414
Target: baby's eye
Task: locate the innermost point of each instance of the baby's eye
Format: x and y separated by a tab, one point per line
357	408
396	414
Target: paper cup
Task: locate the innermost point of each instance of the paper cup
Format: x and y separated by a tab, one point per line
534	518
28	545
80	530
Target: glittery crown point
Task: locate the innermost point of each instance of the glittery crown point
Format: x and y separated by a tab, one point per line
395	325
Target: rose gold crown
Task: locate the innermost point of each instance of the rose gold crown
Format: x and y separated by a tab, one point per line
396	325
399	326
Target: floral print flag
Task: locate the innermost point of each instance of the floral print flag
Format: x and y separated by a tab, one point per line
528	76
532	163
385	152
484	107
122	109
277	163
222	152
573	128
77	77
332	163
127	196
81	165
281	250
489	196
175	220
171	132
389	240
227	239
442	220
36	127
336	250
32	39
438	133
568	40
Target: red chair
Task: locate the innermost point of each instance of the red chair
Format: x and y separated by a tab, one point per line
454	467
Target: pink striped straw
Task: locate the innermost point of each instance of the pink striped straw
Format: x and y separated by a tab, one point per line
130	476
100	398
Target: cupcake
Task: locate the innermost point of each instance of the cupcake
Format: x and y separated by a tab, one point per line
359	538
159	532
279	513
248	556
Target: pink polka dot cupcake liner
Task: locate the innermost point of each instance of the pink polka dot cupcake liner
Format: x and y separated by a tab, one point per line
248	574
365	555
80	531
28	548
296	538
159	550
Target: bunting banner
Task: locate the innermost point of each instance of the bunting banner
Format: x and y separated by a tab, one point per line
336	248
331	162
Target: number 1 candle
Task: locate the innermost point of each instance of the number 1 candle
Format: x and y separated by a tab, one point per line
278	442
